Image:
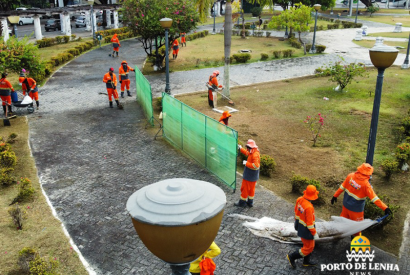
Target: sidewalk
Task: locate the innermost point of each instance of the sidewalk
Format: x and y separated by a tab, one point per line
91	158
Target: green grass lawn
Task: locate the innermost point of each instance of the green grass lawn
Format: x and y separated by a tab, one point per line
390	34
370	44
392	20
209	51
383	11
273	113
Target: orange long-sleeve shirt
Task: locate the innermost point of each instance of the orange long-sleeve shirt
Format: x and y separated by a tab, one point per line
254	160
5	85
305	218
109	80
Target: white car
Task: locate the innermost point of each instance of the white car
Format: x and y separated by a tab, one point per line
399	3
24	20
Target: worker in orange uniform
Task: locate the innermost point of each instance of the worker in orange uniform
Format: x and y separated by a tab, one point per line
225	117
212	87
110	79
183	39
115	44
250	173
305	226
175	49
5	94
29	86
357	188
212	252
124	77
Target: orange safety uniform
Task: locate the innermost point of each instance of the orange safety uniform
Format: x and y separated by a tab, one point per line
124	77
115	43
175	48
211	252
111	84
29	86
224	118
251	173
357	188
183	40
305	225
5	95
213	82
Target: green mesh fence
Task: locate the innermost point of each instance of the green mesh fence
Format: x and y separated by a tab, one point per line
209	142
144	95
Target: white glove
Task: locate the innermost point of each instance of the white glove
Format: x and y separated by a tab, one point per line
316	237
239	147
244	162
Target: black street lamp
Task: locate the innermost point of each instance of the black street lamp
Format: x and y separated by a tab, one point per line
214	14
313	49
166	23
406	61
14	20
357	10
382	57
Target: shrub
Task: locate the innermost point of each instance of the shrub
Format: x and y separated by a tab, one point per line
330	26
18	215
320	48
256	11
268	165
12	138
277	54
344	74
372	9
26	255
288	53
267	33
402	153
264	56
405	123
300	183
389	167
25	192
4	147
59	39
242	57
8	159
73	36
158	103
66	38
314	124
308	46
40	266
372	211
6	179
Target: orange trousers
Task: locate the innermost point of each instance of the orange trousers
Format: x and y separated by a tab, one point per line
112	92
33	95
307	248
354	216
125	83
175	52
183	40
248	189
116	49
5	99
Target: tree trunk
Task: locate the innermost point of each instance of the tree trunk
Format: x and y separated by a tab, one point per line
227	45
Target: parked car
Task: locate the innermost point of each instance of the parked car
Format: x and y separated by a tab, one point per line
80	22
21	9
53	24
399	3
24	20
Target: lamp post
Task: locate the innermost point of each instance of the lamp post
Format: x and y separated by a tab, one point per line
166	23
213	31
313	49
357	11
382	57
177	219
14	19
91	3
406	61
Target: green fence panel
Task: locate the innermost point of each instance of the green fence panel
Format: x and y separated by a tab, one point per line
209	142
144	95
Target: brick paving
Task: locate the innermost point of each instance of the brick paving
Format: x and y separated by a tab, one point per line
91	158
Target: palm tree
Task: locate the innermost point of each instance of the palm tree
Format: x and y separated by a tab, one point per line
203	7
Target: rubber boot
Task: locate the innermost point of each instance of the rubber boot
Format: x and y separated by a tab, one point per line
38	104
307	262
250	202
10	111
119	106
117	54
240	203
122	94
113	54
129	93
4	109
292	257
111	104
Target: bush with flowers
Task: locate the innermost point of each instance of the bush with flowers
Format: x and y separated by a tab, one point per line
143	17
403	153
315	125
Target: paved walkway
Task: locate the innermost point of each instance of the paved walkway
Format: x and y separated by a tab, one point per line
91	158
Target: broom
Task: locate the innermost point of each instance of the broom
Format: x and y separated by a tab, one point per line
224	96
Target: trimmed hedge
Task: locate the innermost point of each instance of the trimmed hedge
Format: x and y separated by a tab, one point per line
242	57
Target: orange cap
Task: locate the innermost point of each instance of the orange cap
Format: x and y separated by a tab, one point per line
124	62
225	114
311	193
365	169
